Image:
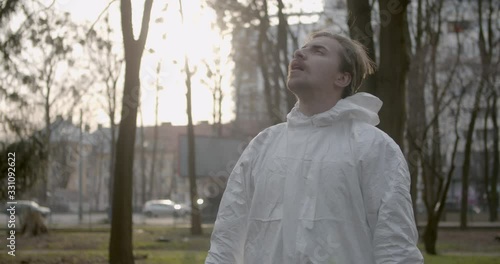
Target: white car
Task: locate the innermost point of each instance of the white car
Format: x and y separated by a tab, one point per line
23	206
185	208
155	208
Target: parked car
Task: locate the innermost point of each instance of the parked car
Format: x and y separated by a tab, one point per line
23	206
185	208
155	208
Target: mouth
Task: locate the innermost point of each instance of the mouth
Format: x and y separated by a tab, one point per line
296	66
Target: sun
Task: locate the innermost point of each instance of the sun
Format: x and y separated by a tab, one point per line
169	42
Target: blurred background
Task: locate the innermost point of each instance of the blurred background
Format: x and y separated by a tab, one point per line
121	121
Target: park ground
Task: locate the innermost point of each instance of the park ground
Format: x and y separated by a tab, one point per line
174	245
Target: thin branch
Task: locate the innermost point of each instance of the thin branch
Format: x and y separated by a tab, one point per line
99	17
145	23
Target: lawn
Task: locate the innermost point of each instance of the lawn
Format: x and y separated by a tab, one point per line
176	246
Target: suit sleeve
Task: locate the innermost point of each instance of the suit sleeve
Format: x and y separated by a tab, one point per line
385	185
228	236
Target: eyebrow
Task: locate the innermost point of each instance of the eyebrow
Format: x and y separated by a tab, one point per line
316	46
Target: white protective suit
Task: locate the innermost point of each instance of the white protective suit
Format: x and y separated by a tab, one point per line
330	188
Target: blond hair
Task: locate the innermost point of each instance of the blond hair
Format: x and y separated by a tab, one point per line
354	60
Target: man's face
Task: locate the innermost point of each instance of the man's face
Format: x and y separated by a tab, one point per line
315	66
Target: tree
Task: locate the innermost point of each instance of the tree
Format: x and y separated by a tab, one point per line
486	42
152	177
360	29
417	116
143	159
269	44
108	65
392	69
7	8
29	157
425	136
35	55
389	82
120	243
193	192
213	80
491	172
435	194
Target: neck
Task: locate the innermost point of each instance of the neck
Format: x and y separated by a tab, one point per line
319	105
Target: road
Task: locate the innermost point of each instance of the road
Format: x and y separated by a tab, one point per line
71	219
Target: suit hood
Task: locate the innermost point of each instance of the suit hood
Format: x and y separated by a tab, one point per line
361	107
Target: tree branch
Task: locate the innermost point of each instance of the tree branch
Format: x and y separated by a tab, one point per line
126	16
145	23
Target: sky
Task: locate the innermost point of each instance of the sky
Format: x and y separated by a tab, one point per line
198	43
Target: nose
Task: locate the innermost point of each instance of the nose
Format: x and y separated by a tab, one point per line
298	54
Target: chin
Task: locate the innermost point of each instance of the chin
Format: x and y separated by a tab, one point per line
297	86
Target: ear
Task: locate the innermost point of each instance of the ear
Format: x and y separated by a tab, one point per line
343	79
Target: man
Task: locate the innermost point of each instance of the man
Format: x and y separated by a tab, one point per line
327	186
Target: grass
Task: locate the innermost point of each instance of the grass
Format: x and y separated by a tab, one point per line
461	259
82	247
188	257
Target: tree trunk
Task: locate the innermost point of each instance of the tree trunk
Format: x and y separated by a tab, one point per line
393	67
144	193
416	127
120	243
121	222
219	102
47	136
431	234
493	204
263	49
485	74
486	153
152	177
435	207
283	52
467	156
111	92
214	112
97	194
112	160
360	29
416	108
193	191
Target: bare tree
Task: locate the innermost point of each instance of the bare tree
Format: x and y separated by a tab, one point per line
491	163
120	243
393	66
213	81
428	144
269	44
360	29
485	44
108	68
193	192
491	172
152	177
142	159
284	53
